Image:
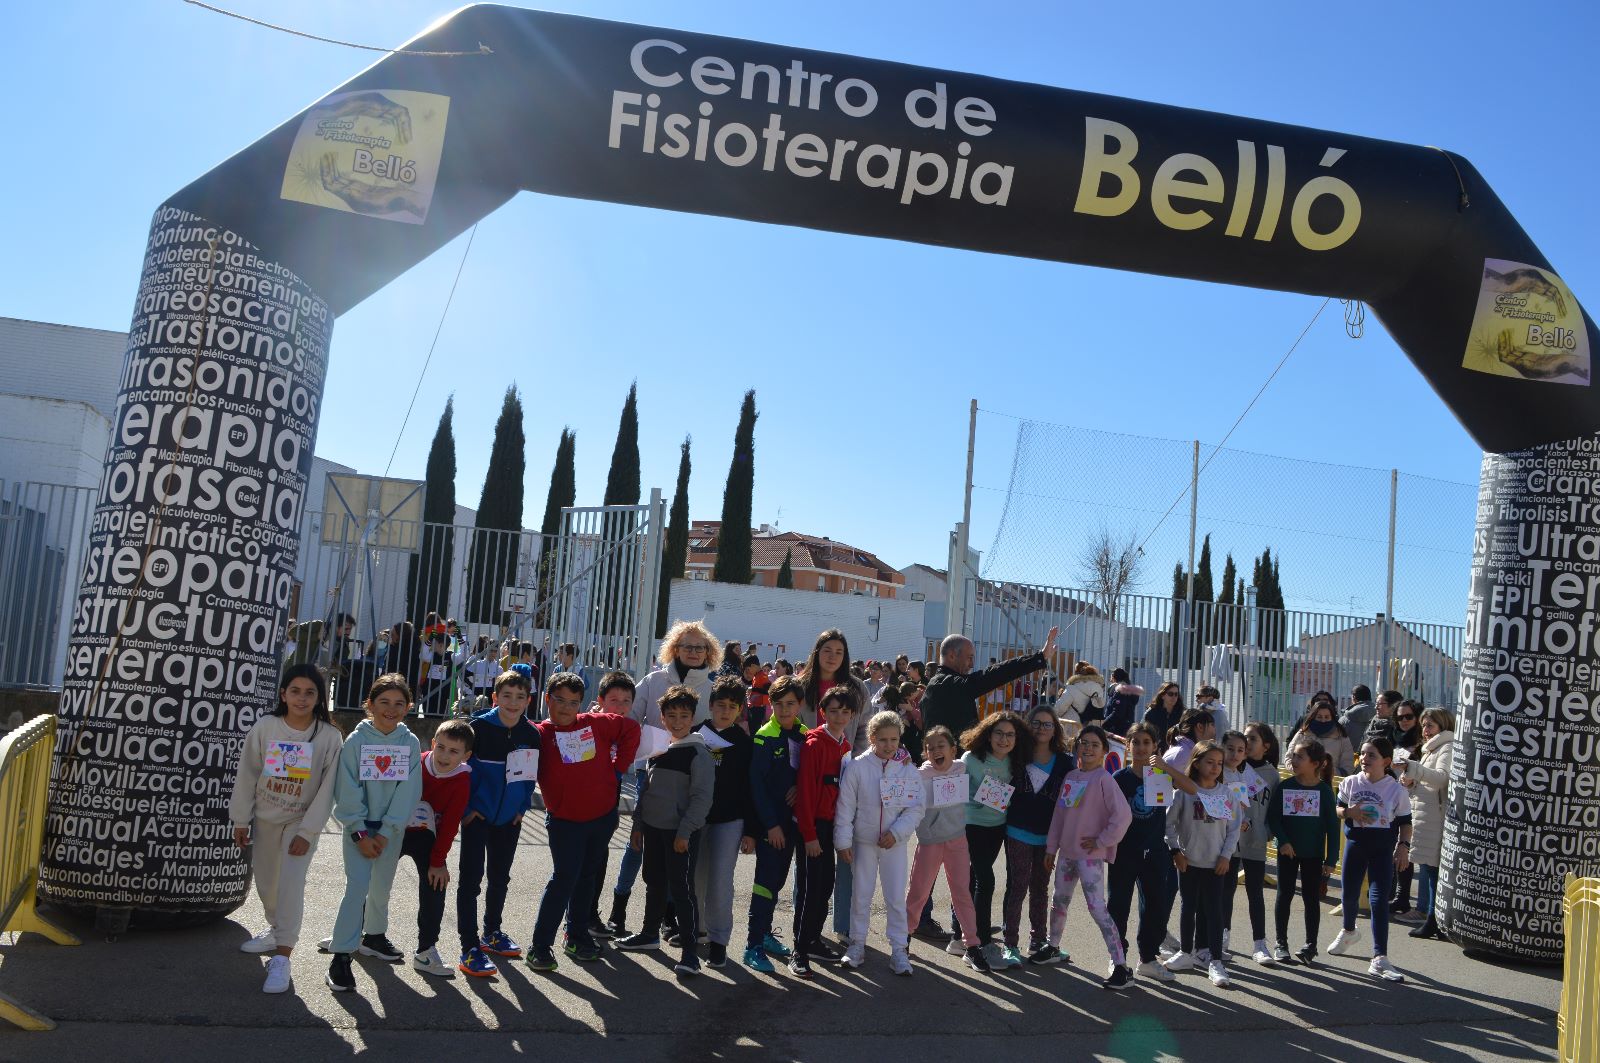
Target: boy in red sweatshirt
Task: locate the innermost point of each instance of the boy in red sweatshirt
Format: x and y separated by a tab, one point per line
817	792
584	756
446	784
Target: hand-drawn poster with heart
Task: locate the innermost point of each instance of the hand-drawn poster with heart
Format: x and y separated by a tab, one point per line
385	764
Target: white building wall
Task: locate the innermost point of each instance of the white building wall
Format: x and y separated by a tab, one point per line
770	618
51	441
62	362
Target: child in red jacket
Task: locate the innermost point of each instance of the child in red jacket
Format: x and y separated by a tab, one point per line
817	792
446	783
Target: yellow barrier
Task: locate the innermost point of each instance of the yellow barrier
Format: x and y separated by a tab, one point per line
1578	1021
24	786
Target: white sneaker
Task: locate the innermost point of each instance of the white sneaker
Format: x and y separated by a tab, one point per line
1181	961
1342	943
1263	955
429	962
956	947
277	975
1381	967
1203	957
900	961
325	945
1154	969
854	956
996	955
1171	944
262	942
1218	974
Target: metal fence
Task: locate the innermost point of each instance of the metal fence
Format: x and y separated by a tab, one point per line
1266	663
44	530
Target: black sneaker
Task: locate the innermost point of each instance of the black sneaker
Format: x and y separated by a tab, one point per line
340	978
582	951
689	965
1119	978
976	960
1306	953
541	958
716	955
821	950
640	942
672	938
1044	955
380	947
800	966
600	931
931	931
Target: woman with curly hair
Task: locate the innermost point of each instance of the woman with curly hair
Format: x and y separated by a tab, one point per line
997	751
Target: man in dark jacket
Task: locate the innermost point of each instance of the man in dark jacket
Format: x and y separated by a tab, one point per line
954	688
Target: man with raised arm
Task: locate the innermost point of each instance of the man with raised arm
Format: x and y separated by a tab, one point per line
954	688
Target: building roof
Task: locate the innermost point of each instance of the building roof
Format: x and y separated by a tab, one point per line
769	546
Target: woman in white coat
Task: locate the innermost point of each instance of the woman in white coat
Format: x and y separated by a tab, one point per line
1427	776
1083	699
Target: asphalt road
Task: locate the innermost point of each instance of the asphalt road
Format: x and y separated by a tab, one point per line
191	995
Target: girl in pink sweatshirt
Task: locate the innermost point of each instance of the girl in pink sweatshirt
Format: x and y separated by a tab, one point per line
1090	819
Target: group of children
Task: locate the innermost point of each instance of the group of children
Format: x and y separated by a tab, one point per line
1175	828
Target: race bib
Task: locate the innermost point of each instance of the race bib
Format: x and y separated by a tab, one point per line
522	765
1254	784
1158	789
1072	792
423	816
287	760
385	764
1302	802
899	792
575	747
1216	806
992	793
949	790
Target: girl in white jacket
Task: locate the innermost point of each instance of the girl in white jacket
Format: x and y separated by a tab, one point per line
880	805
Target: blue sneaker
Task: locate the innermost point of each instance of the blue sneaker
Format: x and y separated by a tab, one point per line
756	960
475	964
500	944
775	948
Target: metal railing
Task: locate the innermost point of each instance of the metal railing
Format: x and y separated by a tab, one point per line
1265	663
44	531
24	784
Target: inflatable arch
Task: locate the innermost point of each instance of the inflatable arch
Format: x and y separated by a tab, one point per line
175	632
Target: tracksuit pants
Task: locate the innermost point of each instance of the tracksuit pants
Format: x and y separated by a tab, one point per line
957	863
365	906
869	867
815	878
280	878
669	873
713	878
418	846
1151	873
772	870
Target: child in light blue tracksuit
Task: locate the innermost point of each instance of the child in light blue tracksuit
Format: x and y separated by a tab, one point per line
379	782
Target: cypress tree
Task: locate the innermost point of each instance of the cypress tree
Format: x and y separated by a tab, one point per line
786	570
428	581
622	489
1229	575
563	493
1228	626
622	482
734	544
495	540
676	556
1202	573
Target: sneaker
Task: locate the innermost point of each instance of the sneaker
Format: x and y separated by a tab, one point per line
640	942
499	943
716	955
543	958
340	978
1342	943
976	959
1225	949
429	962
1045	955
954	947
1203	956
1282	954
1381	967
931	931
600	931
854	956
1218	974
583	952
900	961
325	945
277	975
380	947
263	942
1120	977
756	960
1011	956
688	966
1306	953
775	948
671	938
1181	961
800	966
821	950
1262	956
475	963
1171	945
1154	969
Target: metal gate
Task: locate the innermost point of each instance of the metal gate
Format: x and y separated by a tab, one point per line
44	530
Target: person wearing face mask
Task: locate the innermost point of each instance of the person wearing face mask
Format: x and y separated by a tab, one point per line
1320	723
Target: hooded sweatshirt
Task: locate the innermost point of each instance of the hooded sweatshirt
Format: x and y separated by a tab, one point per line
1202	838
680	787
444	800
1253	783
822	761
496	800
283	798
877	795
362	802
578	774
945	824
730	801
1091	805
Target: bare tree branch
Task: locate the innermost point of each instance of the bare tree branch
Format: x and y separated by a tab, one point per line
1111	566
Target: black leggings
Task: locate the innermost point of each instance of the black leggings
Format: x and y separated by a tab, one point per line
1202	890
983	847
1307	874
1255	887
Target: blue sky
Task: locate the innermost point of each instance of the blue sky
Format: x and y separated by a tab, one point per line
863	353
